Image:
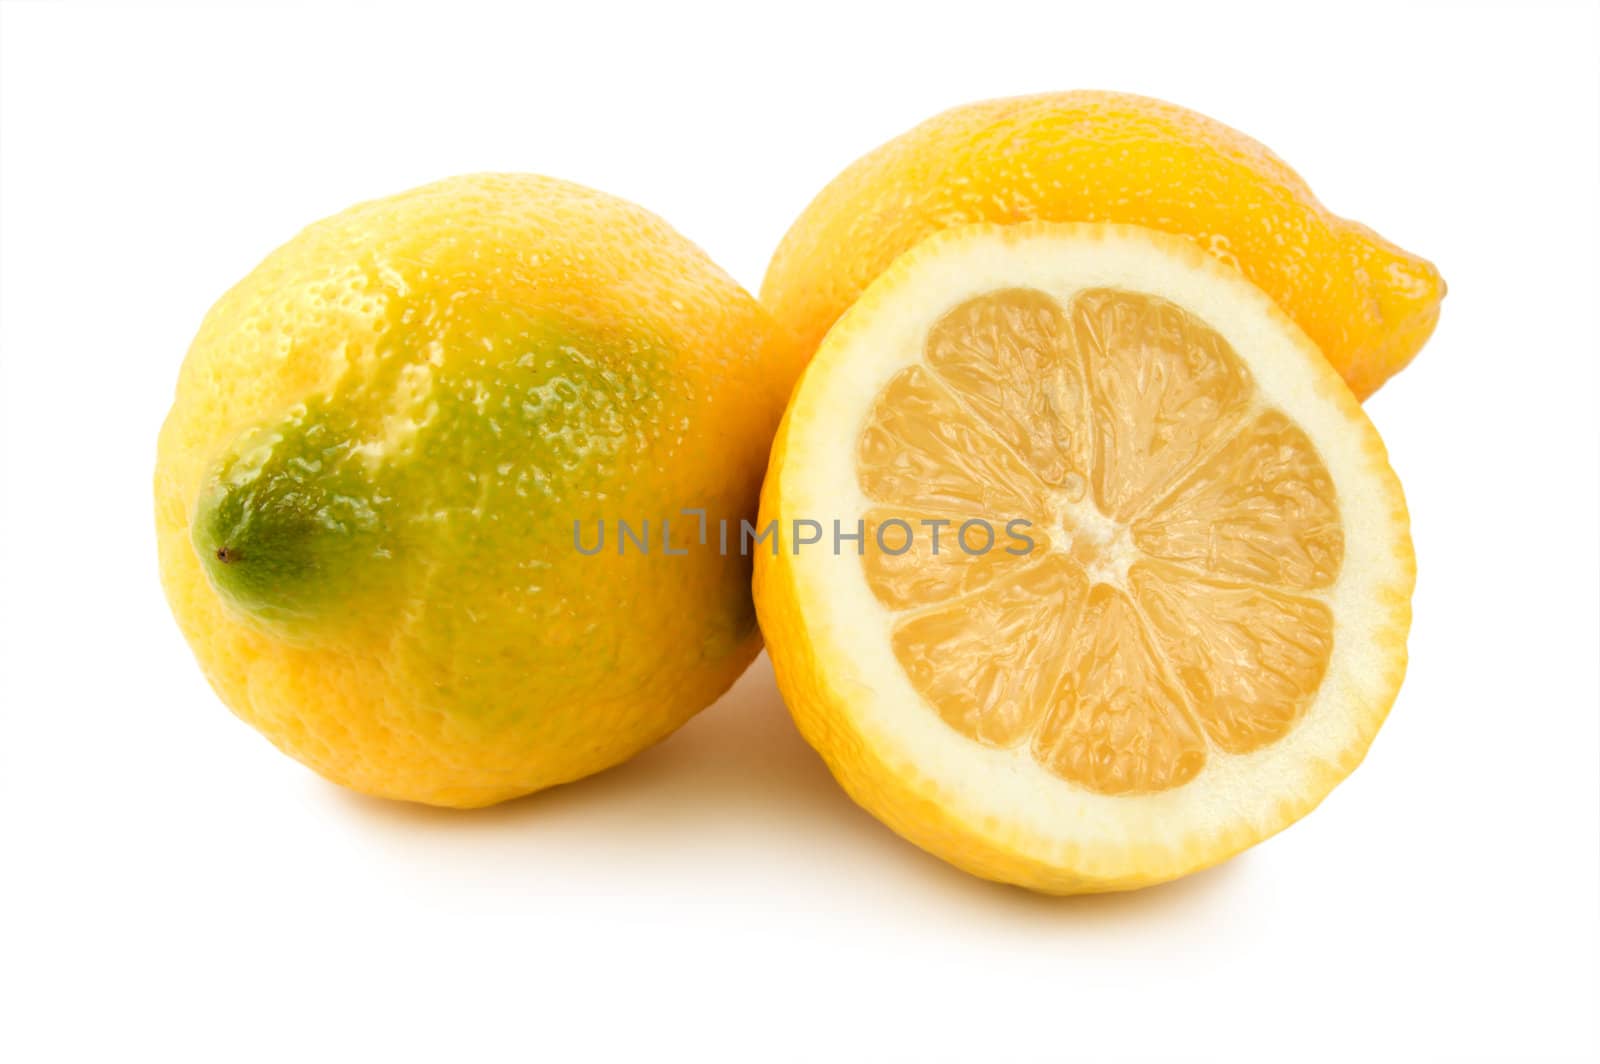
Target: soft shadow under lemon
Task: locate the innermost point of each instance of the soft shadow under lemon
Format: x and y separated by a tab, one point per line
738	774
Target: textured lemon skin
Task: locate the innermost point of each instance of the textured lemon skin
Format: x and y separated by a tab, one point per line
504	661
1109	157
907	799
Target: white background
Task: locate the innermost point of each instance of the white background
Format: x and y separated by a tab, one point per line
173	888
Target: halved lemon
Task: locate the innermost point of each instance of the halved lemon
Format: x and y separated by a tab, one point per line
1092	571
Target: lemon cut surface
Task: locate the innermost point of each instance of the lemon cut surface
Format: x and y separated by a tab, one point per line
1134	583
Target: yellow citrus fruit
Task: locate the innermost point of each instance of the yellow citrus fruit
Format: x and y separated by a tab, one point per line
1108	157
389	443
1115	578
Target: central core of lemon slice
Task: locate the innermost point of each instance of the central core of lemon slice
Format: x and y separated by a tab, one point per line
1102	545
1105	545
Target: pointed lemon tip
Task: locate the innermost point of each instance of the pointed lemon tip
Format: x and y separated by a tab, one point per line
1403	293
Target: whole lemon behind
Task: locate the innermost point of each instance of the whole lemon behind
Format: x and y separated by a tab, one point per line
388	443
1110	157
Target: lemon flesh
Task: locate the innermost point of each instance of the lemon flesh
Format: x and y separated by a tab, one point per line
1178	528
1198	617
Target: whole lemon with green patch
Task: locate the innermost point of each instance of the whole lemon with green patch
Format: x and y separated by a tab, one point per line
383	443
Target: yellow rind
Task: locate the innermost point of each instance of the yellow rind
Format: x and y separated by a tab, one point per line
1095	156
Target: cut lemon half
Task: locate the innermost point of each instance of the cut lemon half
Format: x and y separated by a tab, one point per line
1090	571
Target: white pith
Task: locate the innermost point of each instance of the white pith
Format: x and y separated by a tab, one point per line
1004	793
1103	546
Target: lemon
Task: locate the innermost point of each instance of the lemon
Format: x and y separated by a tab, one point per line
1169	607
1091	156
393	450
